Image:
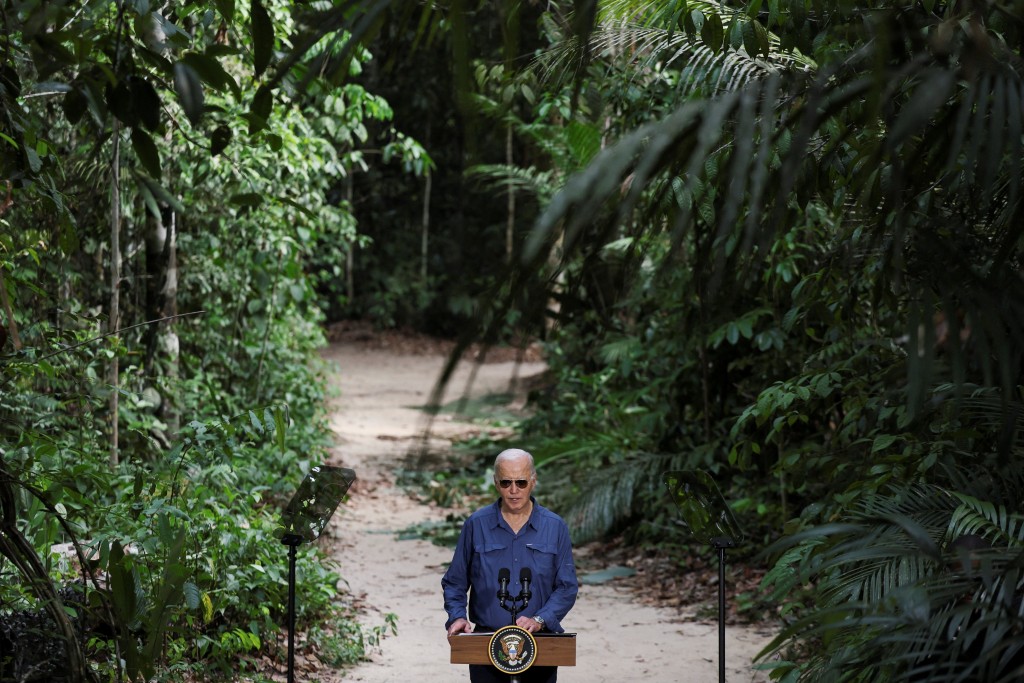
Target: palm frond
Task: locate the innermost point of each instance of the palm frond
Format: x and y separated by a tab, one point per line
649	52
925	583
514	178
605	497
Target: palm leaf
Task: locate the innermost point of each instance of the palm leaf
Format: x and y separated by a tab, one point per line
605	497
897	598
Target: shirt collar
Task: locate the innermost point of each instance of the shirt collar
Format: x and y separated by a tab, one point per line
498	519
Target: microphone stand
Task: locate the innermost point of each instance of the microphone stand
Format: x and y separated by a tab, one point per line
515	608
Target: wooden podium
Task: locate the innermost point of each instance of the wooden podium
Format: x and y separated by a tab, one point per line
553	649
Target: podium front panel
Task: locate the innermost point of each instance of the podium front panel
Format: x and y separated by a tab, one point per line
553	649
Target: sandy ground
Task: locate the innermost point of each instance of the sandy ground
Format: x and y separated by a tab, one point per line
377	422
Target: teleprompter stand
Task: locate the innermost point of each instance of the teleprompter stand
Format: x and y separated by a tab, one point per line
302	522
707	517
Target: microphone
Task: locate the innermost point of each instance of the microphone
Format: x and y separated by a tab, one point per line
503	579
525	577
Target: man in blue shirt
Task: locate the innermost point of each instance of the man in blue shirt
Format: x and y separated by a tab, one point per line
514	533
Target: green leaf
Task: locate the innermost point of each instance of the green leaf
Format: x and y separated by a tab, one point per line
692	22
296	205
254	420
146	151
750	38
169	591
193	596
262	37
882	442
165	532
124	597
280	425
160	193
584	141
34	162
119	100
226	8
712	32
681	13
146	102
262	105
797	12
763	44
207	607
219	140
74	104
149	200
210	71
921	106
190	91
247	199
734	32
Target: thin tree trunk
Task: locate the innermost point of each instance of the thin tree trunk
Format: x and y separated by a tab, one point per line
510	228
350	260
170	344
115	288
12	325
425	236
161	342
156	270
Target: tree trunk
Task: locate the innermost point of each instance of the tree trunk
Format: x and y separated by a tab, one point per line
169	339
156	271
510	228
115	289
12	325
350	260
161	342
425	236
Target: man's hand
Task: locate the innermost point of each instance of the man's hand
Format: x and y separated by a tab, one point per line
459	626
528	624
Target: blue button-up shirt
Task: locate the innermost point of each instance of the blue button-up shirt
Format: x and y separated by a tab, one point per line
488	544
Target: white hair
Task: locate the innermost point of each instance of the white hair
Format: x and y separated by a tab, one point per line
514	454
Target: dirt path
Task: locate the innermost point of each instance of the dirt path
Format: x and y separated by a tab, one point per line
376	421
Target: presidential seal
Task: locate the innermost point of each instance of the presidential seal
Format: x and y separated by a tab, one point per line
512	649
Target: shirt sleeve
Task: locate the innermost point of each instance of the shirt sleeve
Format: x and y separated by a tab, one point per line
455	582
563	597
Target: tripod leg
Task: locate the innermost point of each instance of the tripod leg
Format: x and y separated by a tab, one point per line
721	615
291	614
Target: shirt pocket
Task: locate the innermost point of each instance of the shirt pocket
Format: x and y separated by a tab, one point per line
544	558
488	549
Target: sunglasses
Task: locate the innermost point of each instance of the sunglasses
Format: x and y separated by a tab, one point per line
520	483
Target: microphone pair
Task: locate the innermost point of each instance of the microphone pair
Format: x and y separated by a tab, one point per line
525	577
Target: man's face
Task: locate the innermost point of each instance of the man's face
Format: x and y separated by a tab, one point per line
515	498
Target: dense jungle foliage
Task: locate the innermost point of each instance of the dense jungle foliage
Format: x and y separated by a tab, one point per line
775	240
